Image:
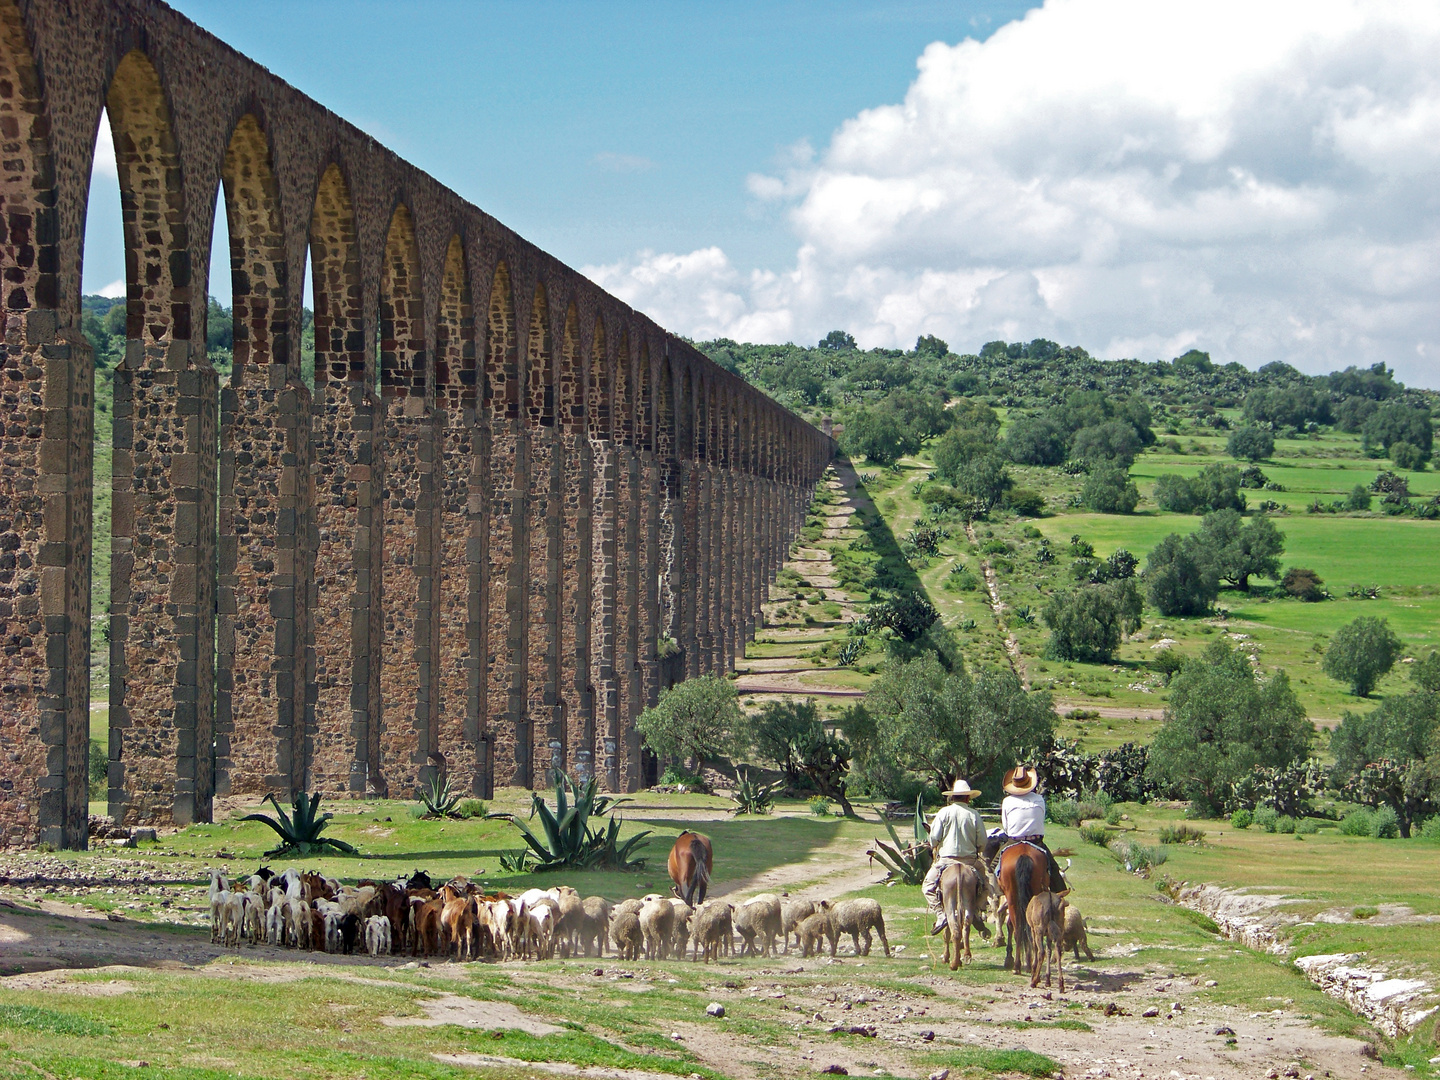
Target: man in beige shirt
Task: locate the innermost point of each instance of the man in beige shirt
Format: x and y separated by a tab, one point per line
957	835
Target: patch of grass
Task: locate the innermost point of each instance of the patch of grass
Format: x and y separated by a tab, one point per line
1200	919
1064	1025
1025	1062
574	1048
33	1018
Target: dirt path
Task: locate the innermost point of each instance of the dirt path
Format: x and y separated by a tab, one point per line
997	608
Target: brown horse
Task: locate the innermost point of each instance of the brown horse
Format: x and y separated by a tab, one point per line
1024	871
690	861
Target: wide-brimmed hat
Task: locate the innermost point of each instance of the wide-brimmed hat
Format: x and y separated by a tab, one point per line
1021	780
961	790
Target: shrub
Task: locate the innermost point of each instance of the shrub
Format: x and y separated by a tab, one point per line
1113	816
1109	490
1095	833
1241	819
1181	834
1026	502
99	770
819	805
1407	456
1167	662
1094	805
1384	823
1356	823
1358	499
675	776
961	579
1139	856
1303	584
1266	818
1067	811
472	808
1250	443
1285	824
1431	829
1307	826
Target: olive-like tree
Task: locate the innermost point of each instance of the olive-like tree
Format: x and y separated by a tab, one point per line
1361	653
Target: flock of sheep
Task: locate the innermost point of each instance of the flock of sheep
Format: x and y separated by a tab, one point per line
309	911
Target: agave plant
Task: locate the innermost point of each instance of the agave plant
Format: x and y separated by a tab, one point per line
752	797
565	838
438	800
300	833
849	652
905	863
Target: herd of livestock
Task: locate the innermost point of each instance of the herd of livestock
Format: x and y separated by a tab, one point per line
460	920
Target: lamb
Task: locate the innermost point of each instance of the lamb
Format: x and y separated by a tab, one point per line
759	917
275	917
711	928
594	924
297	916
219	898
377	935
568	920
1075	937
680	933
813	931
541	918
857	917
792	914
625	932
1045	918
502	927
657	924
631	907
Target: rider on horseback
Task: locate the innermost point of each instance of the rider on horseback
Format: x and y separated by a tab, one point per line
957	835
1022	816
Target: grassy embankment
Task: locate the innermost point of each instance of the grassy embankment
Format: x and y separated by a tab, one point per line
277	1018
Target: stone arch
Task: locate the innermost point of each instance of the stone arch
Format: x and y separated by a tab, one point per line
644	402
259	277
539	365
570	398
685	424
336	284
456	372
44	691
624	414
152	206
502	381
665	426
598	394
403	361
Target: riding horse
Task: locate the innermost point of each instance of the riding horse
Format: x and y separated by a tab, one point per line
690	861
1024	871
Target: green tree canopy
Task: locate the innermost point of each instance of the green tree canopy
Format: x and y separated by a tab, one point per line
1361	652
1180	576
1221	723
1391	756
1113	441
879	434
694	720
771	732
1034	440
1250	444
1087	625
1239	550
1109	490
946	724
985	479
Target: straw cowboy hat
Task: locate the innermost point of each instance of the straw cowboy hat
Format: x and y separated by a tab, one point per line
1021	780
961	790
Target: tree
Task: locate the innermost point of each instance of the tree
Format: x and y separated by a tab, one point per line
945	724
1239	550
1176	493
771	732
824	758
932	346
1250	443
1407	456
1109	490
1391	757
1221	723
909	614
923	414
1114	441
1395	421
985	479
1219	488
1034	440
880	434
1358	499
1361	653
837	340
694	720
1180	577
1087	625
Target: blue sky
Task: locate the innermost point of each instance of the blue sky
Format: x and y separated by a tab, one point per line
1140	178
592	129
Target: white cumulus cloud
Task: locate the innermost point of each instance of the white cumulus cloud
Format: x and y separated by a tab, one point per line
1136	177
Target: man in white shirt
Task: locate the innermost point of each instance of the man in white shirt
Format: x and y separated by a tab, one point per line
1022	815
957	835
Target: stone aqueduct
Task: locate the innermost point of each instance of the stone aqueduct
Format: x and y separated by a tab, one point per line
459	550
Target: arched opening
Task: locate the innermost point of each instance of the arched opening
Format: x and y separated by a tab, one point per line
599	385
544	718
570	401
574	550
163	509
502	383
403	364
540	397
624	391
455	367
645	421
264	442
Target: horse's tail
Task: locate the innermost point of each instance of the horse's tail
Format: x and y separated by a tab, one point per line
1024	869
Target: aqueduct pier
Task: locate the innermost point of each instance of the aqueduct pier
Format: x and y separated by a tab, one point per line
466	547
